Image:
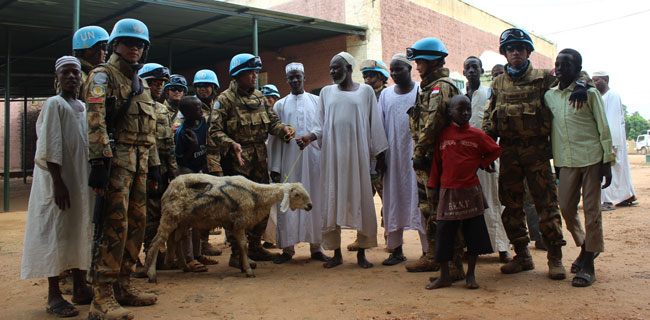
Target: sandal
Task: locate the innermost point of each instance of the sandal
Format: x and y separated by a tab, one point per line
62	309
576	266
206	260
195	266
583	279
393	260
607	207
627	203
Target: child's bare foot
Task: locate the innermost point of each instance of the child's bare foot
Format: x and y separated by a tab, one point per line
470	282
437	283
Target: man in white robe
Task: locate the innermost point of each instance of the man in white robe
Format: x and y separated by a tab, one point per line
299	110
621	191
400	192
479	96
349	131
58	227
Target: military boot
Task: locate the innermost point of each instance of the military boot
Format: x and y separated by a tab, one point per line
456	270
354	246
556	270
257	252
426	262
127	294
104	305
521	262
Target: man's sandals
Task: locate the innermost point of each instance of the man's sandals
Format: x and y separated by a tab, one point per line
62	309
576	266
394	259
195	266
583	279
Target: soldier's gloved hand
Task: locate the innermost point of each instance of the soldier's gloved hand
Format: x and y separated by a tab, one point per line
275	177
98	178
420	164
579	95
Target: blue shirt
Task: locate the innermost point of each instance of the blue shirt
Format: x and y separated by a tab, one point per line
198	160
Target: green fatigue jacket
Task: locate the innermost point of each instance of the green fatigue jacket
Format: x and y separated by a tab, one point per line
165	139
106	91
429	115
244	118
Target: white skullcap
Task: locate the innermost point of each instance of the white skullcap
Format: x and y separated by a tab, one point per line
66	60
400	57
294	66
347	57
600	74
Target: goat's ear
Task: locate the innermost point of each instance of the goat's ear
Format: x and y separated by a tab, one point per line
284	206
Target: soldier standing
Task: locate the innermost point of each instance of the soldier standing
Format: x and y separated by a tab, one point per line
427	118
271	93
174	90
120	107
516	113
241	125
156	75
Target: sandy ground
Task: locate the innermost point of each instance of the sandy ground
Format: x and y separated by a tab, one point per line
302	289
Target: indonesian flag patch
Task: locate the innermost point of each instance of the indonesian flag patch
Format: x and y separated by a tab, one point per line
435	90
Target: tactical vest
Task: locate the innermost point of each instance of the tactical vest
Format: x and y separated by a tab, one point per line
419	113
520	109
248	118
164	132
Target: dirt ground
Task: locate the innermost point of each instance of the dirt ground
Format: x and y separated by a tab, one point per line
302	289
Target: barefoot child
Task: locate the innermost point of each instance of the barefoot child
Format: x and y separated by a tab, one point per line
191	149
58	228
460	152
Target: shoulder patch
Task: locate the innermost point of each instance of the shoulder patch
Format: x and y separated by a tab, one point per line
100	78
489	93
216	105
95	99
435	90
97	90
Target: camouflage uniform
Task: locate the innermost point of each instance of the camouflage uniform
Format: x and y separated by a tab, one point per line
135	150
517	114
245	118
427	118
168	169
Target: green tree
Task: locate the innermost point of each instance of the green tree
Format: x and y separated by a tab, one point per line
635	125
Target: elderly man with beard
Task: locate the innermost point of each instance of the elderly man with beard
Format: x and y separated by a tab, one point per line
349	131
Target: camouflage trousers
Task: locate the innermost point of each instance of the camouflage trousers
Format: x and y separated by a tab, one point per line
254	170
521	160
427	203
123	228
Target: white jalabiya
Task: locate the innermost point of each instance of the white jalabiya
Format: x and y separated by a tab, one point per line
349	131
401	210
58	240
621	187
489	181
294	226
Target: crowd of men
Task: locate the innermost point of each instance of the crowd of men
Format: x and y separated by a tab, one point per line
126	129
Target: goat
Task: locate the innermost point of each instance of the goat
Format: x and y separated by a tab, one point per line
204	202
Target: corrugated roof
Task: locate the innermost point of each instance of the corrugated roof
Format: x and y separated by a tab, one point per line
194	32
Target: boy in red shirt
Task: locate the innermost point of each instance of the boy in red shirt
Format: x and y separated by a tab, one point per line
460	152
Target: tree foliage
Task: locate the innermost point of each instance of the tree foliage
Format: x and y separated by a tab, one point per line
635	125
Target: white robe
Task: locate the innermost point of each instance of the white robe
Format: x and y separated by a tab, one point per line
349	131
58	240
621	187
489	181
401	210
294	226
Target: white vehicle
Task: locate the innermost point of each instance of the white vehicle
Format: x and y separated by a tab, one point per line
643	143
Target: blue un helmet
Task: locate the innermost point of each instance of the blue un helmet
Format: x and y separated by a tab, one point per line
88	36
515	35
374	65
130	28
427	49
244	61
206	76
270	90
153	71
176	80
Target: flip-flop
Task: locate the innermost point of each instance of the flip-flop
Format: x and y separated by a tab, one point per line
195	266
583	279
393	260
627	203
62	309
206	260
607	207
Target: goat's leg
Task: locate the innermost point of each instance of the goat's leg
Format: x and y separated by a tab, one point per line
180	257
152	255
240	240
171	250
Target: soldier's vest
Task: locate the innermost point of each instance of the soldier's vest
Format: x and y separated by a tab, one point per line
138	125
520	110
248	118
164	132
420	111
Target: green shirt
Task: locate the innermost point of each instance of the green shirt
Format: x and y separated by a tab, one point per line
580	137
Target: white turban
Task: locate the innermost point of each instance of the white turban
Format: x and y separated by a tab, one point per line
400	57
294	66
66	60
600	74
347	57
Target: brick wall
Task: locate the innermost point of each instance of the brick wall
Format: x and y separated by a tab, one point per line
332	10
15	138
404	22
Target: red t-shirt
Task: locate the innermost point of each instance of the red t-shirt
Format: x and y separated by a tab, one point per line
459	153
